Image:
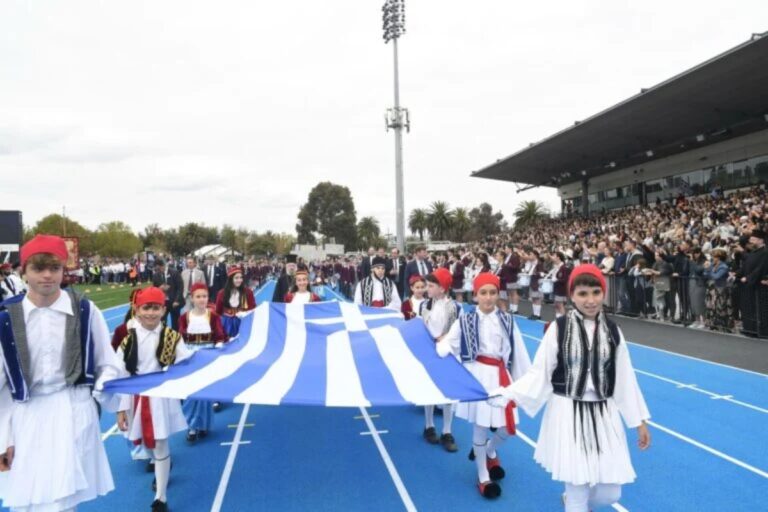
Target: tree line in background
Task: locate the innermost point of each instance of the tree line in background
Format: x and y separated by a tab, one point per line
329	214
117	240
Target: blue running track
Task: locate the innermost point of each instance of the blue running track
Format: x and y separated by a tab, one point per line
708	452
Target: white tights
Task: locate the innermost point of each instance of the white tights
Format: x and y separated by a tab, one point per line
484	447
429	417
162	457
582	498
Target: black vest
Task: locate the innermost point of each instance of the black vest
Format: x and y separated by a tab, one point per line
566	381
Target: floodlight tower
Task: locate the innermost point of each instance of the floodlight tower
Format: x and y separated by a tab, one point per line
393	16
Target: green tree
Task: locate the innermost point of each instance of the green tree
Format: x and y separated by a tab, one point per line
485	222
155	237
330	212
56	224
439	220
529	212
116	239
461	224
192	236
368	232
417	222
228	237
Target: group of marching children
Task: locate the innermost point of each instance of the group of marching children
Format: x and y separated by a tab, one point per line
581	372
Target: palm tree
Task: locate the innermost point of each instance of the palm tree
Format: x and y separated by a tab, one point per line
528	212
439	219
417	222
368	231
461	224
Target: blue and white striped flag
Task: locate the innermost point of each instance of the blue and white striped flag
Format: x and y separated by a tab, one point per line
327	353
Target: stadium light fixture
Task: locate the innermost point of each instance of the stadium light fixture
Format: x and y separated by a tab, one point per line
393	24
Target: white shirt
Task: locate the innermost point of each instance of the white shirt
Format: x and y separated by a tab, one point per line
302	298
437	320
45	339
198	324
17	286
147	342
378	294
234	299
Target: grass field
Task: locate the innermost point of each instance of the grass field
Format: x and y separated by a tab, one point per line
107	295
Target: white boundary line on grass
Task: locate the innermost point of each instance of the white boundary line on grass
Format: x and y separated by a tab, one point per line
677	354
530	442
222	490
692	387
407	501
695	443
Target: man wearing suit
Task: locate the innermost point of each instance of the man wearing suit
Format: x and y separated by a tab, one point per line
169	280
190	276
419	265
365	264
396	270
215	277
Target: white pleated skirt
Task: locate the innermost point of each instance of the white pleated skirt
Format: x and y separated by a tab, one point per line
584	443
480	413
167	418
59	456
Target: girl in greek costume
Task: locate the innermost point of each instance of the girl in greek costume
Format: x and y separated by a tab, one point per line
201	329
583	374
300	292
489	344
150	421
411	308
234	301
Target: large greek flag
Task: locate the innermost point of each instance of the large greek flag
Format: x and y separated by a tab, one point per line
327	353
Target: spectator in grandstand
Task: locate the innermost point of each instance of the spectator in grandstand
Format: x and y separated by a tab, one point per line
719	309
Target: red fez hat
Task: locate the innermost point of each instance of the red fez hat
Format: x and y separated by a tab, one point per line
484	278
44	244
234	270
586	268
300	272
415	278
198	286
444	277
151	295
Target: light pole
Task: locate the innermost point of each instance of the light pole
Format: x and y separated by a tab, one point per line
393	16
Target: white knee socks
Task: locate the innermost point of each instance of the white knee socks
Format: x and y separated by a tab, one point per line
537	309
581	498
513	307
497	439
162	468
447	418
429	415
479	442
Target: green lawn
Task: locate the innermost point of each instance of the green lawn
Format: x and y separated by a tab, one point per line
107	295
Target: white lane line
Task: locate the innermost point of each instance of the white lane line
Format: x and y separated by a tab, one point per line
371	433
692	387
764	375
109	432
530	442
709	449
221	491
407	501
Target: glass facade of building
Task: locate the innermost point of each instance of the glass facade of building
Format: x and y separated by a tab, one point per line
732	175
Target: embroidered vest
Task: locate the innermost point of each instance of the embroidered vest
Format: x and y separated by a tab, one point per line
575	359
367	290
425	309
166	349
78	353
470	334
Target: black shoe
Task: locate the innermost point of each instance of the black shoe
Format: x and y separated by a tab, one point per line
216	406
150	467
489	490
431	436
449	443
159	506
202	434
531	317
192	436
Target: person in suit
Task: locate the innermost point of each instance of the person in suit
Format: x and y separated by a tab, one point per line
286	280
215	277
396	270
170	282
190	276
365	264
419	266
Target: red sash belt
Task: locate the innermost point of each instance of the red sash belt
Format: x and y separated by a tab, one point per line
147	429
377	304
504	381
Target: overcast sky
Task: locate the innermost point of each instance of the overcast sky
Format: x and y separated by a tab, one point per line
230	112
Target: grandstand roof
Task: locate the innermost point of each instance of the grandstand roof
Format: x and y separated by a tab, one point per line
724	97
